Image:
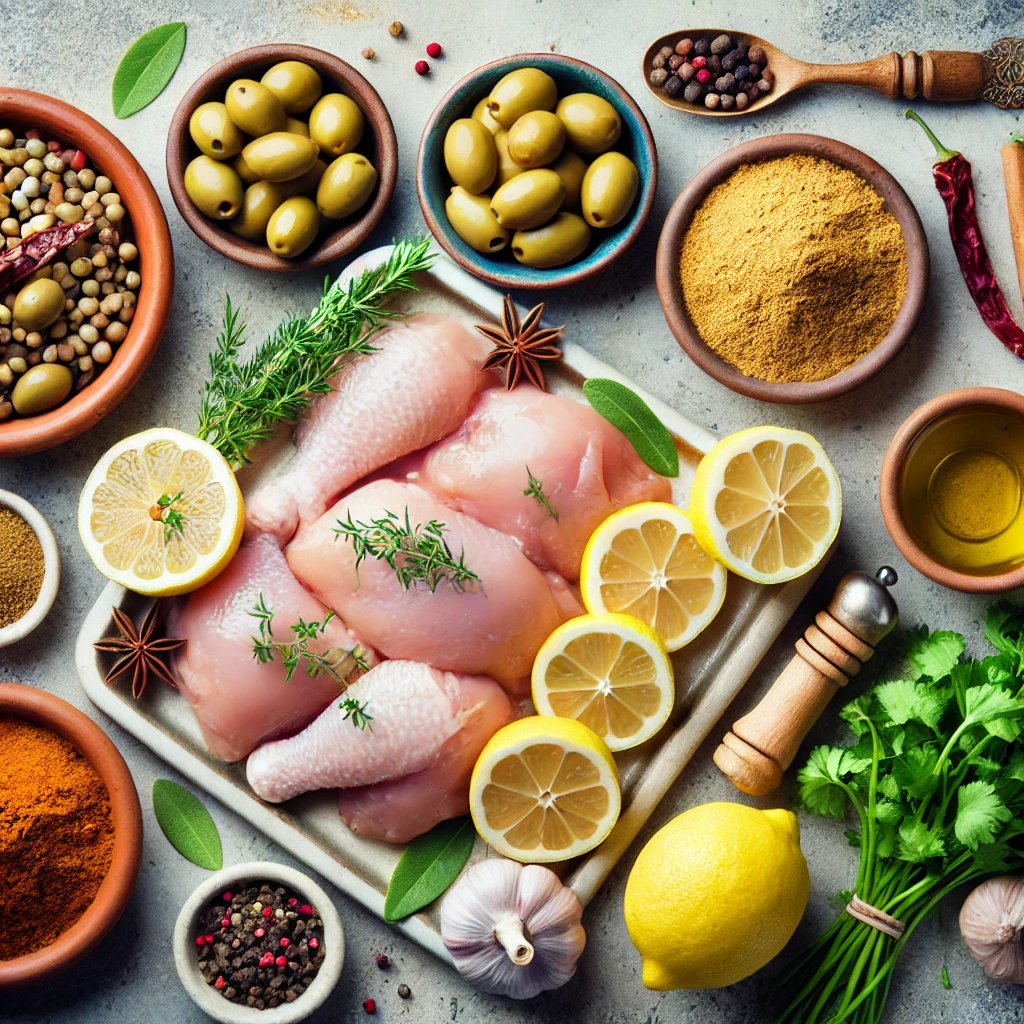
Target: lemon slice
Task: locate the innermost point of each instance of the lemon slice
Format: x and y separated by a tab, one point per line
766	502
611	673
645	561
544	789
161	512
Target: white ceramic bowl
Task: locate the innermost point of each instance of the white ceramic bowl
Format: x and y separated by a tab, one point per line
21	628
206	997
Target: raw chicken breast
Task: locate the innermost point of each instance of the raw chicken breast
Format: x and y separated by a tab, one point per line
416	710
416	388
587	467
238	702
494	627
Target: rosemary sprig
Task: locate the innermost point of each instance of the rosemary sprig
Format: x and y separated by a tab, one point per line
171	517
243	401
416	553
356	712
536	490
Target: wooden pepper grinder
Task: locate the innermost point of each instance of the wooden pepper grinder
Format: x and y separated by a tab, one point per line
762	744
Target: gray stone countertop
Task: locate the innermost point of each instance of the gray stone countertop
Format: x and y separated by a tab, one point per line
70	50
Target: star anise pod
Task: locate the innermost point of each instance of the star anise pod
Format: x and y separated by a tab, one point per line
139	651
520	348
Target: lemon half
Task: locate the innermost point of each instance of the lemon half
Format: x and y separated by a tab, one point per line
766	502
609	672
544	789
645	561
161	512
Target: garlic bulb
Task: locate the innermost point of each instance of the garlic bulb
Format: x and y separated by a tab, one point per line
991	920
512	929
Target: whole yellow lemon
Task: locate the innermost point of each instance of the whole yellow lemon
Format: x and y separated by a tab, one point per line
715	895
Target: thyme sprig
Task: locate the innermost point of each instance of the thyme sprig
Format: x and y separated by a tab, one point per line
244	400
535	489
356	713
418	554
173	520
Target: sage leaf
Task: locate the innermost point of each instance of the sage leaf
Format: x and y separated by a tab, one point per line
429	865
147	67
187	824
633	416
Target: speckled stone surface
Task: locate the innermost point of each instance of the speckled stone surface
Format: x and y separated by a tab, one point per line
70	49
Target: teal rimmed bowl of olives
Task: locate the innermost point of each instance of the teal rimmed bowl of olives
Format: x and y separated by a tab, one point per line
536	171
282	157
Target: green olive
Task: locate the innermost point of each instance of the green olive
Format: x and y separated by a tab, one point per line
39	304
336	124
214	132
507	167
469	155
571	168
295	84
304	184
244	171
261	199
293	226
346	185
297	127
214	187
254	108
609	188
528	200
473	221
536	139
553	244
280	155
592	124
481	114
41	387
519	92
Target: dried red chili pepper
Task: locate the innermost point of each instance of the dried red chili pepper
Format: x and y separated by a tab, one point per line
37	250
955	183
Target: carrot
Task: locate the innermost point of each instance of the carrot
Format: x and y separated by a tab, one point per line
1013	180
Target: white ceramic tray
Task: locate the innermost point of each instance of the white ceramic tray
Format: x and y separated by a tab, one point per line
709	673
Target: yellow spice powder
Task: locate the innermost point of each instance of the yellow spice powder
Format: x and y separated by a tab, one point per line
21	567
792	270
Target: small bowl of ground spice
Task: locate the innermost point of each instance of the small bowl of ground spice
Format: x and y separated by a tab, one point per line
29	568
70	834
259	942
792	268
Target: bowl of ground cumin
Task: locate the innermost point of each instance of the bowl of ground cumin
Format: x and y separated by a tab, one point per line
70	834
29	568
792	268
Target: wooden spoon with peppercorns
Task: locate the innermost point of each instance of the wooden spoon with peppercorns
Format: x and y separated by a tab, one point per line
721	73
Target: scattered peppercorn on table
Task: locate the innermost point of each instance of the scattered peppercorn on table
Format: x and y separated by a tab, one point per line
618	318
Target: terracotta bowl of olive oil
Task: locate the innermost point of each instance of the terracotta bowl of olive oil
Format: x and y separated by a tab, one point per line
952	489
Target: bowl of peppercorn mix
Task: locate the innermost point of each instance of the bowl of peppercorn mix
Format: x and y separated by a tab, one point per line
29	568
259	942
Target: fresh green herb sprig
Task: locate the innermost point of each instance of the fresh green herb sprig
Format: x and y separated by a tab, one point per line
356	713
935	776
418	554
173	520
535	489
244	401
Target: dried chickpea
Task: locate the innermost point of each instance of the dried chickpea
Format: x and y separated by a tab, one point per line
102	352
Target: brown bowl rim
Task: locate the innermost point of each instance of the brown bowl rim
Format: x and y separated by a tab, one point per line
559	277
348	80
116	888
694	193
889	487
26	435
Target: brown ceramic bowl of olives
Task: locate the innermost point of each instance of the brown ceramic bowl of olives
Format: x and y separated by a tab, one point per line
282	157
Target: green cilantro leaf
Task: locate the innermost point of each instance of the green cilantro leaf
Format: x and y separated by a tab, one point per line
889	811
904	700
936	654
914	768
996	709
820	789
979	814
917	842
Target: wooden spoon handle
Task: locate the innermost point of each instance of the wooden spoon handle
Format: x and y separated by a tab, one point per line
944	75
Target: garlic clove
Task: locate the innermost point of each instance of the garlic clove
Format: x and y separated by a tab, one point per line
991	920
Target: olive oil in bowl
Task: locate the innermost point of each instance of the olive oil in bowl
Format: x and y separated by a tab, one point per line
961	491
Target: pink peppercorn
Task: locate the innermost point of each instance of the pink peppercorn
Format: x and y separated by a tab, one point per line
281	961
200	941
292	902
369	1006
703	75
225	921
422	68
268	911
285	942
209	940
306	910
266	960
699	62
314	943
227	897
220	982
259	933
434	50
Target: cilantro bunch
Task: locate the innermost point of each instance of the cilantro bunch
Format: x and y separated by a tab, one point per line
935	775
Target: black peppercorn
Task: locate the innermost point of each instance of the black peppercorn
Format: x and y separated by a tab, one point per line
721	44
731	59
727	102
404	991
725	83
741	73
673	86
693	92
715	65
702	47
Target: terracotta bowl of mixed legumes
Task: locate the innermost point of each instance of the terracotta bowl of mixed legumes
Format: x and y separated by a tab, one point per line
86	272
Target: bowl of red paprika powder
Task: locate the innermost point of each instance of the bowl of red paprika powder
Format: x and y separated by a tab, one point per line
69	875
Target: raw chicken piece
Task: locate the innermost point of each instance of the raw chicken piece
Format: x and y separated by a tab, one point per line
416	711
417	387
587	467
494	627
238	702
